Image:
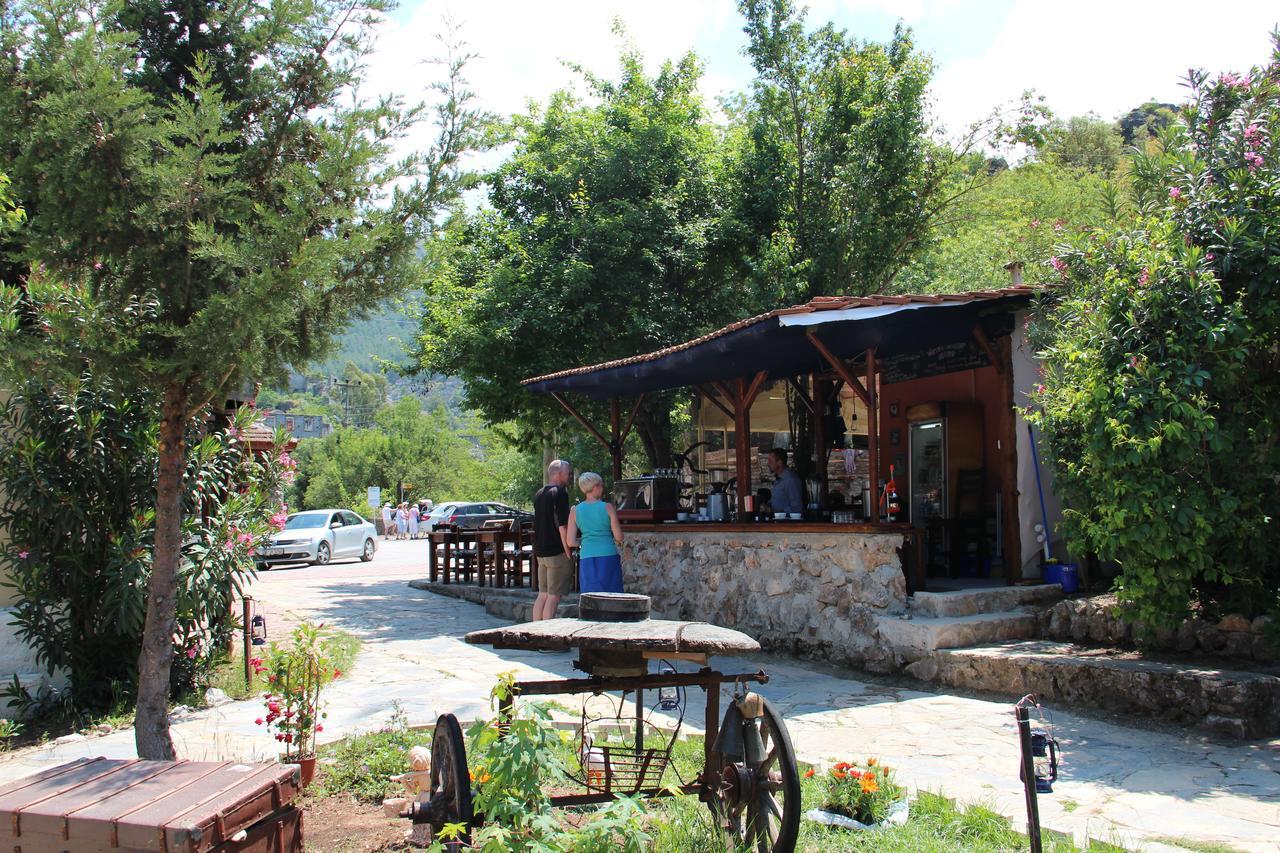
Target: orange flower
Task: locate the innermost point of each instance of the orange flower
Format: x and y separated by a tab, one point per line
868	785
843	765
854	774
871	762
808	774
838	773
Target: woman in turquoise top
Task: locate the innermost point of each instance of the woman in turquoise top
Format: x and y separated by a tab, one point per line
600	565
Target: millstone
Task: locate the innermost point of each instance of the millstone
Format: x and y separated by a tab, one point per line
613	607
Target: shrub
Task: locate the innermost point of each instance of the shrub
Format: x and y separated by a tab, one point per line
864	792
77	470
296	673
1163	372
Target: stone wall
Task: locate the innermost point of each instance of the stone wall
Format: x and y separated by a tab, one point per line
809	594
1095	620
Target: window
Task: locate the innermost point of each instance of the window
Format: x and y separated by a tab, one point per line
351	518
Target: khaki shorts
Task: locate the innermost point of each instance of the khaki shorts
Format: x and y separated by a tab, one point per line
555	574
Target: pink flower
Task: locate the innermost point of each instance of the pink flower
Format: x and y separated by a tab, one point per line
1210	256
1253	136
1233	81
22	555
1040	389
1143	277
229	545
1058	264
258	722
1059	224
191	653
1253	160
1035	223
319	729
97	265
1133	362
1175	193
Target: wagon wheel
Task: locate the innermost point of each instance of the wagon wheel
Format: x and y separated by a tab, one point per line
450	782
758	804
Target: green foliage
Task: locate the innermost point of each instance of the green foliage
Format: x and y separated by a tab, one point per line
363	765
1082	142
1159	400
405	444
840	180
296	673
602	239
1144	123
1020	214
78	470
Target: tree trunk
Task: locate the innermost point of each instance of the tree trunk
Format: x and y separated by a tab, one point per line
151	729
655	433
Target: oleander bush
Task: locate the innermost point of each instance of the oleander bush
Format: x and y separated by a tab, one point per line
1162	356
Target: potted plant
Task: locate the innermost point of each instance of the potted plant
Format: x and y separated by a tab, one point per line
859	796
296	673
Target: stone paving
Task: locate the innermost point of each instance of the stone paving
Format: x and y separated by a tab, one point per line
1120	784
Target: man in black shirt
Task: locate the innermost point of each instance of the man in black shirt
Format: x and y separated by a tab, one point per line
551	538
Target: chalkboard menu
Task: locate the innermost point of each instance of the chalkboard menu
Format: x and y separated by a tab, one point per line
943	358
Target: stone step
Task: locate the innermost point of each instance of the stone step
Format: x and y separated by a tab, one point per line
1229	703
513	604
913	639
970	602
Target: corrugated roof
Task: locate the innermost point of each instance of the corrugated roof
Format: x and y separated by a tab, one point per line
817	304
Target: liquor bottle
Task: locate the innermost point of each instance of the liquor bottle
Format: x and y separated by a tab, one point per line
893	507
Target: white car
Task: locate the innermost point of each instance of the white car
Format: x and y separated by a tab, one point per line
318	536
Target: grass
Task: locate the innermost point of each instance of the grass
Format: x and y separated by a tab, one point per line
1197	846
361	767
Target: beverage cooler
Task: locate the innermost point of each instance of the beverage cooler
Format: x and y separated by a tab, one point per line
945	478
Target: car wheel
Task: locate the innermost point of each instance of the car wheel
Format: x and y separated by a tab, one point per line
367	555
264	567
322	554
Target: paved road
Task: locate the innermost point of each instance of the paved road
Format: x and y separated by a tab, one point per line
1118	784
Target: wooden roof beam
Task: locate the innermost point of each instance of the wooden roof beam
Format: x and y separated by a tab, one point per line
837	364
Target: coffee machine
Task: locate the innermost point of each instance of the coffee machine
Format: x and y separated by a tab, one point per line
718	498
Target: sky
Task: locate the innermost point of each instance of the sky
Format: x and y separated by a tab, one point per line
1087	56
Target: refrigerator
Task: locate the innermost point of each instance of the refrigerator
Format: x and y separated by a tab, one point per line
944	439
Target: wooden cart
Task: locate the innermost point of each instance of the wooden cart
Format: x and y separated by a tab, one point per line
101	804
749	778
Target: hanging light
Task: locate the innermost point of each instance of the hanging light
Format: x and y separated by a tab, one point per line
668	697
258	630
1044	756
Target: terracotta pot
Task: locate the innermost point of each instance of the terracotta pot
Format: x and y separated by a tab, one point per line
308	766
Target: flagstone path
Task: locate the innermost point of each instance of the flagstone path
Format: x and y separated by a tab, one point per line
1127	785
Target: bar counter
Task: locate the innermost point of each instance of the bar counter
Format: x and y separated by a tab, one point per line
809	588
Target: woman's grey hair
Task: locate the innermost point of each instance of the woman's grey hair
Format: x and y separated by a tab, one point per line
588	480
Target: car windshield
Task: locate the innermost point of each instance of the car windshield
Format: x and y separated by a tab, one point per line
306	520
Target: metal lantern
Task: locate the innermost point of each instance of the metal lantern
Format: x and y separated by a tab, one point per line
1044	756
258	630
668	697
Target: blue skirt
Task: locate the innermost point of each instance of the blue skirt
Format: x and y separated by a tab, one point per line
600	574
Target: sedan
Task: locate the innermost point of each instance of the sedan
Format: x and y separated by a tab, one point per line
474	515
318	536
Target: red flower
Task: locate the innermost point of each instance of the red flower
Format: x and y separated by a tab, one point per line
258	721
337	673
808	774
273	707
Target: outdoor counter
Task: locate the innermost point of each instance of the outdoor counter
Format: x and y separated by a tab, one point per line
806	588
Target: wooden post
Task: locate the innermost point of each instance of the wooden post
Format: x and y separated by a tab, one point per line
615	437
873	434
743	456
1008	432
817	393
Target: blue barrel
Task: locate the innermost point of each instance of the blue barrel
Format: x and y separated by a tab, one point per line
1067	574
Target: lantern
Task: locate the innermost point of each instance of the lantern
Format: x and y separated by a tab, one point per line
668	697
258	630
1044	756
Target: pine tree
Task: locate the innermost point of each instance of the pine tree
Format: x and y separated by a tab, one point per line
209	198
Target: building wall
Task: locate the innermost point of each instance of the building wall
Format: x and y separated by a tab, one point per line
812	594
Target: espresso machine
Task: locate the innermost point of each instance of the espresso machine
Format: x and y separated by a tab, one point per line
718	498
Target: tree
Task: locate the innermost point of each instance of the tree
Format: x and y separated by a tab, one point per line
209	197
604	237
1163	364
1144	123
840	169
1082	142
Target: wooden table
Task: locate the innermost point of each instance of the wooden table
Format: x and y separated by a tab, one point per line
493	559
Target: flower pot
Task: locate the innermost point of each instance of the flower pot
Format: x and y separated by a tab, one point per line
307	765
897	816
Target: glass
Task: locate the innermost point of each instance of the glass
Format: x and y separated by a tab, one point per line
926	477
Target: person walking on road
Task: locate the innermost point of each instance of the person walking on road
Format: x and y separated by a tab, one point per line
599	561
388	523
413	521
551	540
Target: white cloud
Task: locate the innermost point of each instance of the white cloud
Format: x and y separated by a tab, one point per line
1104	57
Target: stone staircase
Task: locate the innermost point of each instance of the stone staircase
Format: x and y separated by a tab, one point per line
513	604
990	640
951	620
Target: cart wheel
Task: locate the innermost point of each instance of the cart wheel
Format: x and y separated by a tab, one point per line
450	779
758	805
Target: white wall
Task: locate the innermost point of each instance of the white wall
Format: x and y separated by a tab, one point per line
1025	377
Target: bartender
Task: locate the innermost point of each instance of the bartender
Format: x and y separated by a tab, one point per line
788	494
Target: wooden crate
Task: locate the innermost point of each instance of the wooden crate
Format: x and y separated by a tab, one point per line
100	804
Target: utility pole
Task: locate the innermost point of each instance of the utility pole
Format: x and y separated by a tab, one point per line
346	387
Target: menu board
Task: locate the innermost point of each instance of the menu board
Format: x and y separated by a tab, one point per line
943	358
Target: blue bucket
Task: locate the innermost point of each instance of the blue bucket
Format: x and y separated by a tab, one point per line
1067	574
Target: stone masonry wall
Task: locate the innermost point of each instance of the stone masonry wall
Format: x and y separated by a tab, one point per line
811	594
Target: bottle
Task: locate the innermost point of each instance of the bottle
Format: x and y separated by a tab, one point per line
893	509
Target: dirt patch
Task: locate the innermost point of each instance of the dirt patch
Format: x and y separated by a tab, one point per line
341	824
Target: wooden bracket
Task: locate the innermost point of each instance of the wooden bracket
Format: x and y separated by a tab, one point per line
753	390
837	364
984	344
599	436
715	401
802	394
635	410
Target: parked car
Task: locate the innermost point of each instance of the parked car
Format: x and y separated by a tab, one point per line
318	536
474	515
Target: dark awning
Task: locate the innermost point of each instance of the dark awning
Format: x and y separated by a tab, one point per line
903	329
